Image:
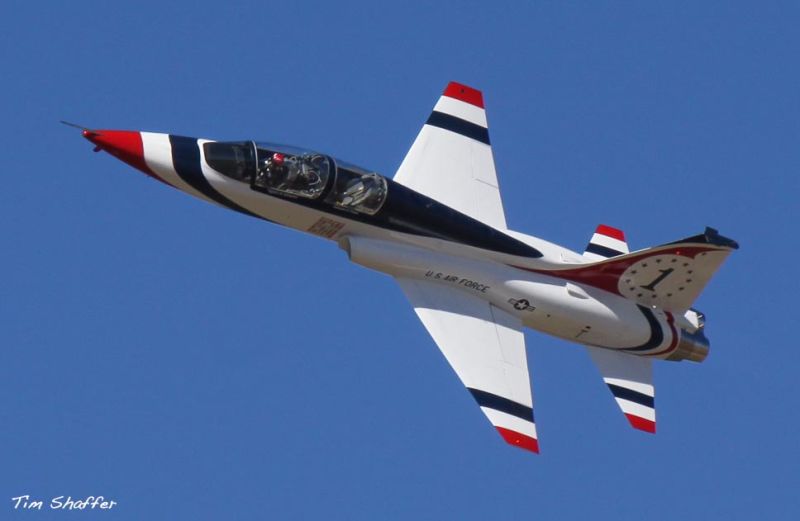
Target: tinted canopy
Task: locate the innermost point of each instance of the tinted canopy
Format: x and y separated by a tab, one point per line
297	173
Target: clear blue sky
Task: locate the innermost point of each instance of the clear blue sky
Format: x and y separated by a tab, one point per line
192	363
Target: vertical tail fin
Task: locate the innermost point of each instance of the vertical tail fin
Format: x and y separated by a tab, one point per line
670	276
606	242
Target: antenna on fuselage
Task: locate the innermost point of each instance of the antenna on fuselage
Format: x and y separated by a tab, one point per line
87	132
74	125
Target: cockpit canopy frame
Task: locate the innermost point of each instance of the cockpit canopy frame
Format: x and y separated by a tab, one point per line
296	173
359	190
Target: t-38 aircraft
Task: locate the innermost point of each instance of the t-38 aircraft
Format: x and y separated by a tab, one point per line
439	229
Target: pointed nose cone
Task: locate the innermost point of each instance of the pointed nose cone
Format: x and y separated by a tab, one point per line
125	145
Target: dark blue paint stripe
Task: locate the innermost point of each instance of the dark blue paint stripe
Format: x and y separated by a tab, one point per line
656	333
632	396
459	126
602	250
186	160
498	403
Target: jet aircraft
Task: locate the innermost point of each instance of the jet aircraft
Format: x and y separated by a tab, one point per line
438	227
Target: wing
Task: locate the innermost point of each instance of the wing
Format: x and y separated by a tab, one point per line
451	159
630	379
486	348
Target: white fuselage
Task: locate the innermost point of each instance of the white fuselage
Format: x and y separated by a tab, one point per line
566	309
561	308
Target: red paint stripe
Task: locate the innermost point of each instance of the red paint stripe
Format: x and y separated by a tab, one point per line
674	344
606	274
125	145
611	232
464	93
519	440
641	423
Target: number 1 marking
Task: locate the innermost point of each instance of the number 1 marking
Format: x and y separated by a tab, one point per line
664	274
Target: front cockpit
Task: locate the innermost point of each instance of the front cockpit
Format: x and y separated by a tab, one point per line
299	174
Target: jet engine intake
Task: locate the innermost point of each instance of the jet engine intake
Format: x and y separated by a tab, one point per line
387	257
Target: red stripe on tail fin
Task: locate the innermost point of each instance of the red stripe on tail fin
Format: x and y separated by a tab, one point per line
611	232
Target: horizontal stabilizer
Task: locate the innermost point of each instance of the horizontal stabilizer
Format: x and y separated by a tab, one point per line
630	380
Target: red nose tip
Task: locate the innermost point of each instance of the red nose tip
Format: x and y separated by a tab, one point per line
125	145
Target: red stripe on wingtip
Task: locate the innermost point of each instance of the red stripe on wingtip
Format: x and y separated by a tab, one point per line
641	423
611	232
519	440
464	93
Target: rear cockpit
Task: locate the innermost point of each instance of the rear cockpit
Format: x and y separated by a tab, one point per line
298	174
359	190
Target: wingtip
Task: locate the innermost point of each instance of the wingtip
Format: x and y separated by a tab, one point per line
641	424
519	440
464	93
